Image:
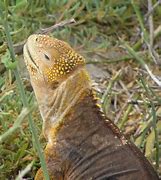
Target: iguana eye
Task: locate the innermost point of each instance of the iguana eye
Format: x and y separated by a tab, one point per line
46	57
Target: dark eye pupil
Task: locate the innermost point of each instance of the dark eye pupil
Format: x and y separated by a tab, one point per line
47	57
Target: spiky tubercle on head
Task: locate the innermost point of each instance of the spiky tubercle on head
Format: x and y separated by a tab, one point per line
64	65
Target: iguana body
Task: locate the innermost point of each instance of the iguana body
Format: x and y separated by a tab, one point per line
82	143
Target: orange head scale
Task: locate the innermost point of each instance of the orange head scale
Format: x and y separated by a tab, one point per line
49	59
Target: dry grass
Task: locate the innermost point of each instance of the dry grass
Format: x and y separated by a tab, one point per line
115	36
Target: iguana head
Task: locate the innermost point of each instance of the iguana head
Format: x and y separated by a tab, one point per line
50	60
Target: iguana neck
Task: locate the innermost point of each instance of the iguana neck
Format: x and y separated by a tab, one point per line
56	104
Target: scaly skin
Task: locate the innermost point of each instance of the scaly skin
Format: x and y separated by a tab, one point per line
82	143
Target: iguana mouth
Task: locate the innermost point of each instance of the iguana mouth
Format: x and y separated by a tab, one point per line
30	56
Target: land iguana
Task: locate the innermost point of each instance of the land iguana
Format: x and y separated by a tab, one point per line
82	143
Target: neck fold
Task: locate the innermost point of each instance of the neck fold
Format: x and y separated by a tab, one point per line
56	104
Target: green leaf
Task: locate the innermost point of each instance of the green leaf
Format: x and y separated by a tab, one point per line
6	60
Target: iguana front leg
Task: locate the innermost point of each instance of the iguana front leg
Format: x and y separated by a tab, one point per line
39	176
54	165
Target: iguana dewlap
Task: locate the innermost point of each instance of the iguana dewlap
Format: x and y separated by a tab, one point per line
82	143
